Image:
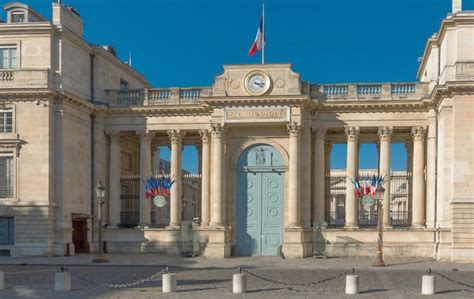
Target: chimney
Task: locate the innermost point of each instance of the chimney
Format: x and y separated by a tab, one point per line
67	17
457	6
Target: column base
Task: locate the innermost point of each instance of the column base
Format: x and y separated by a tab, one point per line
387	226
297	243
174	226
215	243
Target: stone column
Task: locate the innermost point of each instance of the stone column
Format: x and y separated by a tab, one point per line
319	176
145	172
155	158
176	138
352	134
385	136
205	178
409	204
115	171
327	173
431	170
217	195
419	134
294	217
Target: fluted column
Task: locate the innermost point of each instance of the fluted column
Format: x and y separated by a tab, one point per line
419	134
205	178
115	171
431	170
176	138
385	136
352	134
155	158
319	175
294	216
217	195
145	172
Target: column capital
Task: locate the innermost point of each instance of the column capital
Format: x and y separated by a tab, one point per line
114	135
293	128
352	133
418	133
176	135
218	130
385	133
205	136
319	132
144	134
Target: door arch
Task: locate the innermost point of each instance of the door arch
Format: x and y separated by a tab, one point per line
260	194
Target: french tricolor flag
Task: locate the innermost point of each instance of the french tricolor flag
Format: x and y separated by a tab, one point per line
259	42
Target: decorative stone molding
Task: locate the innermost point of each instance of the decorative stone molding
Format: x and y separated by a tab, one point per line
352	133
114	135
175	135
145	136
418	133
385	133
217	130
293	128
205	136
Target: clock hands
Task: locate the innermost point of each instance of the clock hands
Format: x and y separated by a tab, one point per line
259	84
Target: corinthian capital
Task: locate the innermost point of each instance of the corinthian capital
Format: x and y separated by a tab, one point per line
175	135
385	133
352	133
205	136
293	128
418	133
320	132
217	130
114	135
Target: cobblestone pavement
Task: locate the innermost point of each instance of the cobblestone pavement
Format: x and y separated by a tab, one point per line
38	281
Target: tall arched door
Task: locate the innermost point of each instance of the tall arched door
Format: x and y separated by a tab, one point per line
260	185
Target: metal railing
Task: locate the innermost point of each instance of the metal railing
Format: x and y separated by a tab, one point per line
335	219
400	219
367	218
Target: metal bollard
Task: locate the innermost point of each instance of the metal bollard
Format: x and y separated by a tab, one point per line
428	284
352	283
62	280
2	281
169	282
239	282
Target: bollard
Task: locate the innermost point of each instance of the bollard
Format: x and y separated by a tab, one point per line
239	282
2	281
428	285
352	284
169	282
62	281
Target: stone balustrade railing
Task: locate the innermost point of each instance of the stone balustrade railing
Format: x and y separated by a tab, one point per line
26	78
156	96
368	91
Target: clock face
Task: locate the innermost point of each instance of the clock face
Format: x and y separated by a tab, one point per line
257	83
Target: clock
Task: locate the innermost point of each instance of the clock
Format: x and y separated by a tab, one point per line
257	83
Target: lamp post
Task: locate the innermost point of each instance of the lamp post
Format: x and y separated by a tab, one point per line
379	191
100	194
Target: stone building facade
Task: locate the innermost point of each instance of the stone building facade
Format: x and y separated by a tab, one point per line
74	114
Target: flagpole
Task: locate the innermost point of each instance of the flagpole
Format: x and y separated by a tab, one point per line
263	33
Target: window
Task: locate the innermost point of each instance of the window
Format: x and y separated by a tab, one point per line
6	120
123	85
6	231
18	17
8	58
6	177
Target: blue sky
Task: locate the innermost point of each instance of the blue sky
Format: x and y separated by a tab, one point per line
186	42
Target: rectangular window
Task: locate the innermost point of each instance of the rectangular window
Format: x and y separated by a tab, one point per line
18	17
6	120
123	85
6	231
8	58
6	177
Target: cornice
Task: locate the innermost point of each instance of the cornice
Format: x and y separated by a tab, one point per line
150	111
269	100
450	89
375	106
33	28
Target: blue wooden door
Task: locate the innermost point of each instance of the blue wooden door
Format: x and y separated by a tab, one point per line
260	201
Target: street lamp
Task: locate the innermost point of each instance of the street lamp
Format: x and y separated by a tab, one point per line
379	191
100	194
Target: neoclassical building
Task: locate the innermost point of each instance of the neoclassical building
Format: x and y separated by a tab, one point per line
73	114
